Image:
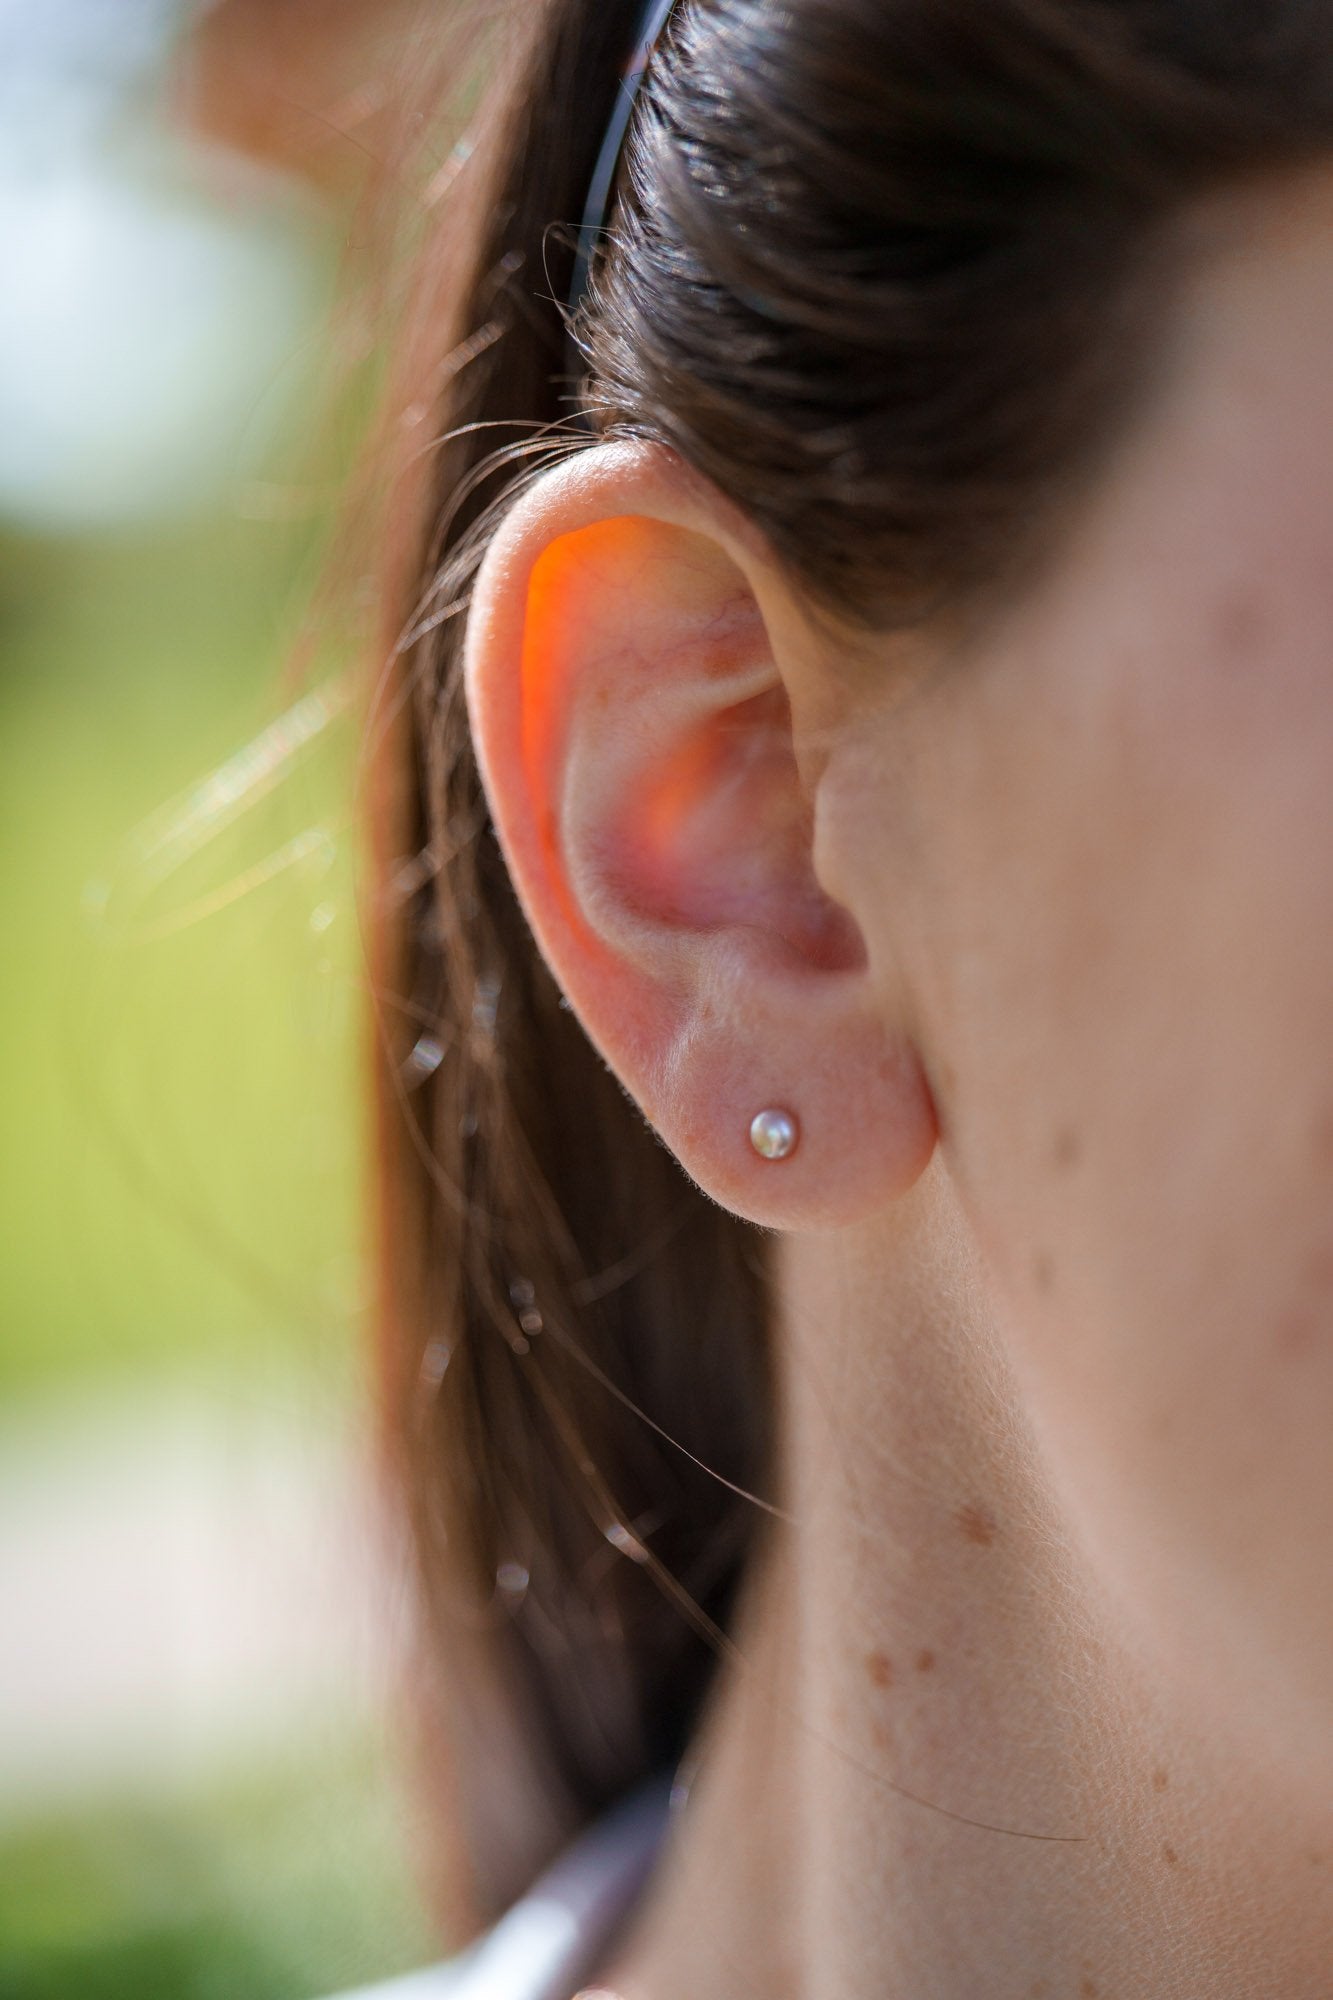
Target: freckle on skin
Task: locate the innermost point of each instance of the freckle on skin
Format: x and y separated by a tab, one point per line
1241	621
1088	1988
1160	1781
1294	1334
976	1524
925	1661
1043	1271
1068	1147
880	1669
1169	1855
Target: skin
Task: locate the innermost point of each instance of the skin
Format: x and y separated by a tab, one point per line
1029	924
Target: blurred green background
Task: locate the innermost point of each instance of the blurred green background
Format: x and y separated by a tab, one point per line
201	1792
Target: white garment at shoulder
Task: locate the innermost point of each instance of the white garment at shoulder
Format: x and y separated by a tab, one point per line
549	1941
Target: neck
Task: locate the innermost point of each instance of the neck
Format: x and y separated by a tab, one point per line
937	1767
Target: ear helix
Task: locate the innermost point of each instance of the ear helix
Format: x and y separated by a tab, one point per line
774	1134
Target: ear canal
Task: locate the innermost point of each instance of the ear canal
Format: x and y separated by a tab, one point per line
719	831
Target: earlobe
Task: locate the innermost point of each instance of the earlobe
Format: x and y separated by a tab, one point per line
635	737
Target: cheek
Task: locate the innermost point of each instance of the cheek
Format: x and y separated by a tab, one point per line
1113	903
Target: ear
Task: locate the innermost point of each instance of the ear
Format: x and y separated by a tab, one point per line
635	737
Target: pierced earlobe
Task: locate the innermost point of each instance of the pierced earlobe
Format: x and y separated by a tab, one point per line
774	1134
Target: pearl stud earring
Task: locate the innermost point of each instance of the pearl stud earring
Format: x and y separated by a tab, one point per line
773	1134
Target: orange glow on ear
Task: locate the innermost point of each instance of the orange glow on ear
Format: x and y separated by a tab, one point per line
671	803
557	586
544	678
543	670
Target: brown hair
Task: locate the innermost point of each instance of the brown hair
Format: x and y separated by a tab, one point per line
878	272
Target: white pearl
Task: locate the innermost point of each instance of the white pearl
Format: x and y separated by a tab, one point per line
773	1134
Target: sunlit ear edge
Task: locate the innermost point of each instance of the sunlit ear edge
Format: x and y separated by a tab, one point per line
686	1105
